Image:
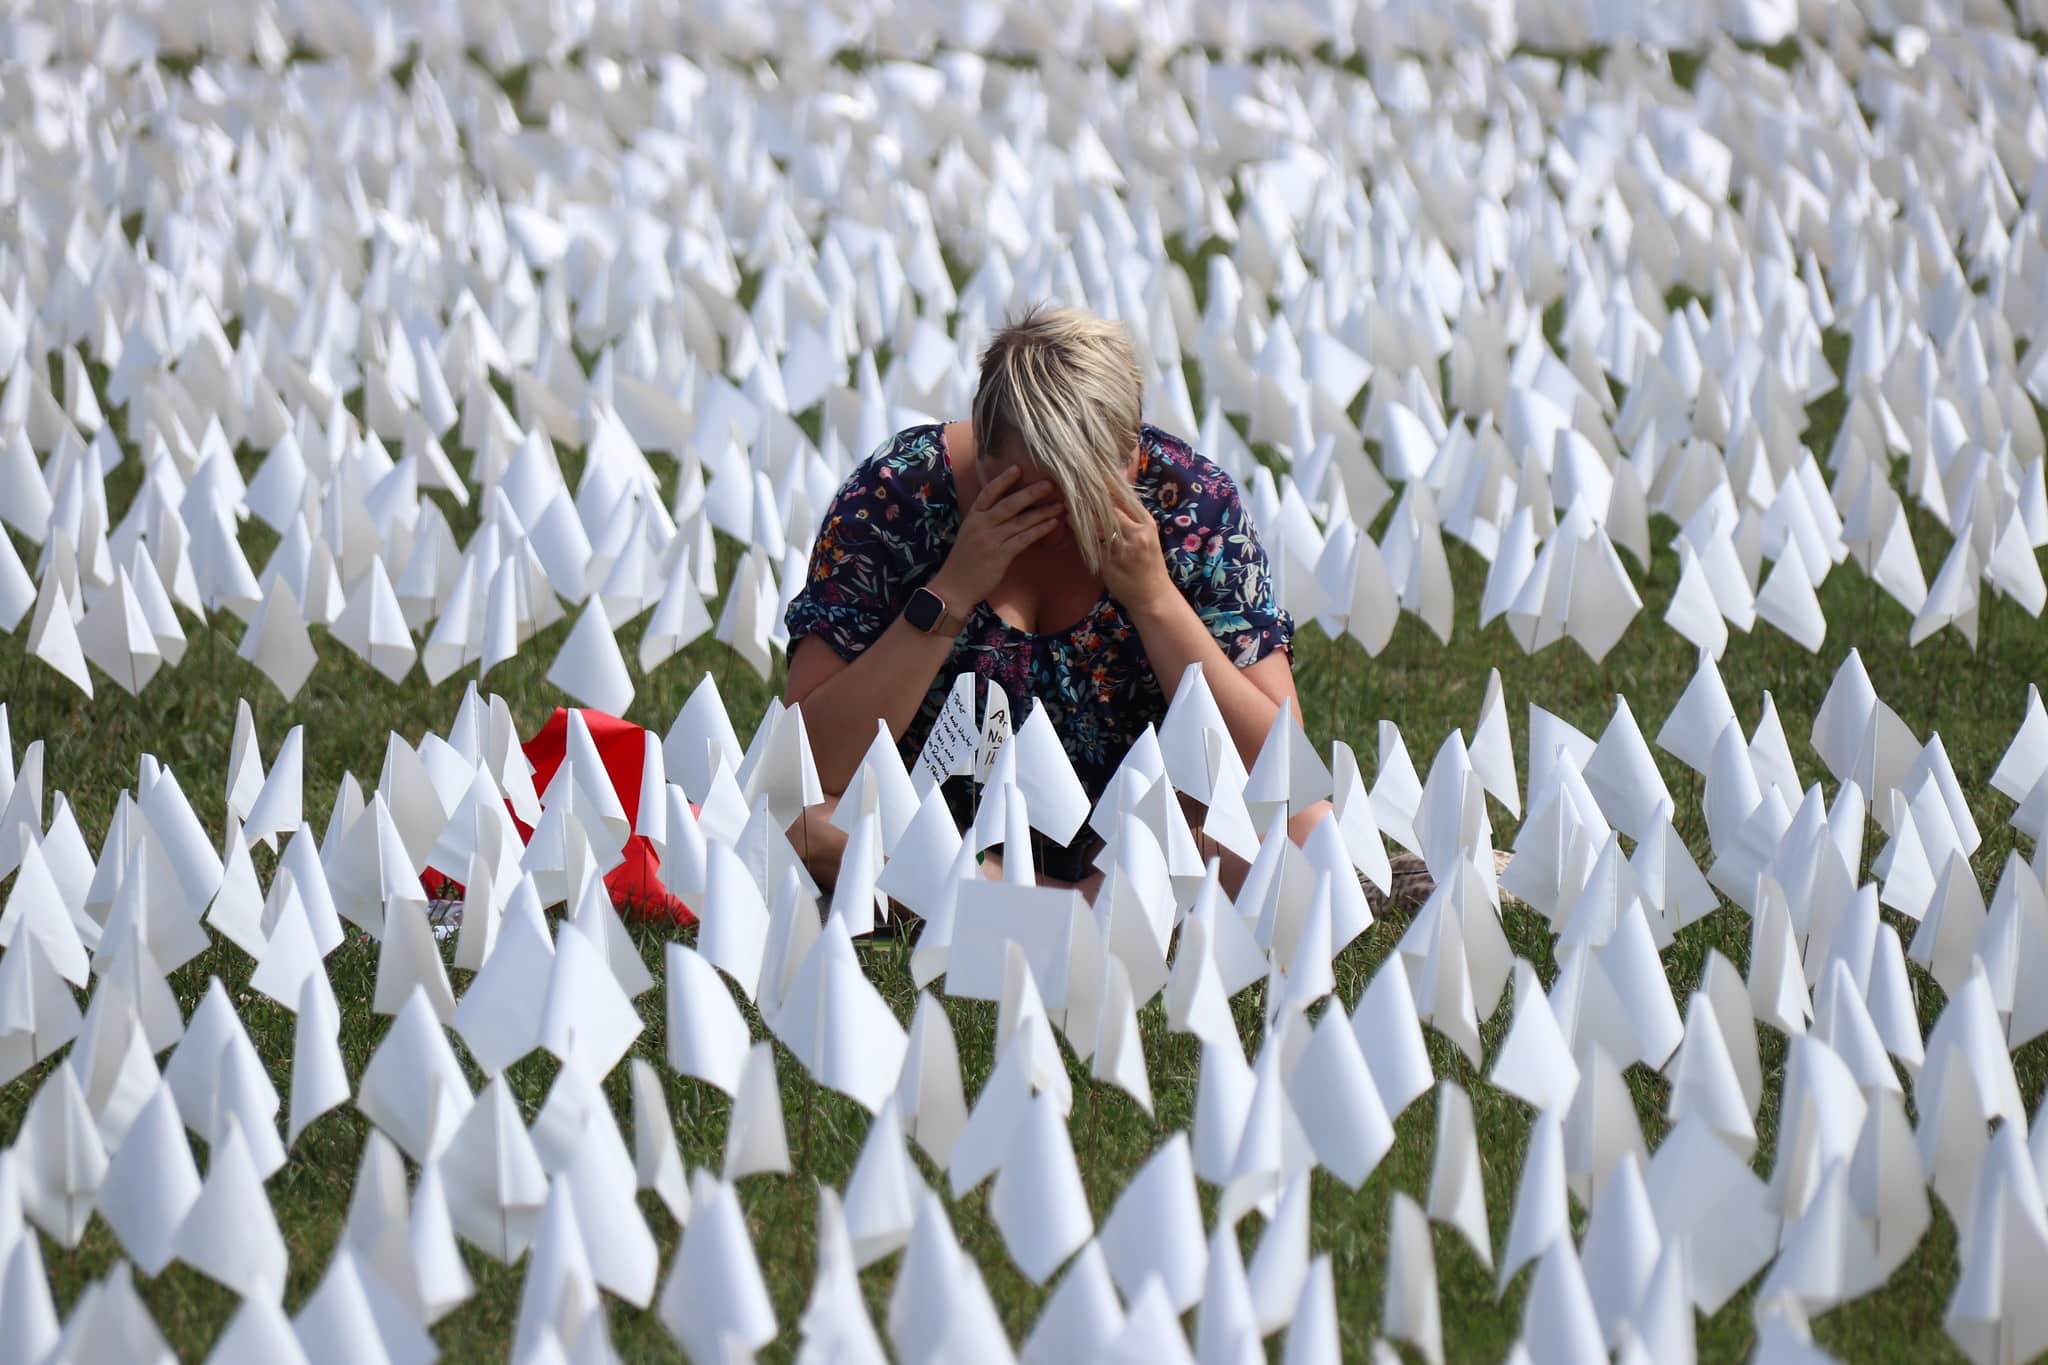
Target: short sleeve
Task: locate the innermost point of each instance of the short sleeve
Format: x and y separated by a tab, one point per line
1222	567
849	591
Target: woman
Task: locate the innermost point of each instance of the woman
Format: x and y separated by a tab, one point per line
1053	544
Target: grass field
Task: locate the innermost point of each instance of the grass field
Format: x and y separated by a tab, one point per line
185	718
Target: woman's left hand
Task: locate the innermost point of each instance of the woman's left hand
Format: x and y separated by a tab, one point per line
1133	565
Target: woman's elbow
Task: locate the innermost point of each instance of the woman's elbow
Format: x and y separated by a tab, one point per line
1273	676
811	665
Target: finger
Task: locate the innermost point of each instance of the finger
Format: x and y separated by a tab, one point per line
1023	531
995	487
1024	499
1028	516
994	490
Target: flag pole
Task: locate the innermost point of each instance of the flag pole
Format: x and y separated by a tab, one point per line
1336	684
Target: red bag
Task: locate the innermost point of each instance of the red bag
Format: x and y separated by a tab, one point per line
634	886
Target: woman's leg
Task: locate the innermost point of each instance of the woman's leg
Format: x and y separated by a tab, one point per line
1231	868
819	842
992	868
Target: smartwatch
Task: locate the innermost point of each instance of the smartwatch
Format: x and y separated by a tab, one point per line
927	611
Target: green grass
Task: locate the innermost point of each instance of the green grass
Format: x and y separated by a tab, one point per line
185	718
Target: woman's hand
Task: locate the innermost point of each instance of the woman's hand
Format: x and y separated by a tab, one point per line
1134	566
1003	520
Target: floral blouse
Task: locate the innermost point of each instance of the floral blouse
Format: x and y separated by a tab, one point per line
889	530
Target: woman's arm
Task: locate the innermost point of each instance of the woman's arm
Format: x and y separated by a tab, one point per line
1174	636
1248	697
841	701
888	680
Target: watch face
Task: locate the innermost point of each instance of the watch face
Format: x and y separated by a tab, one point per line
924	608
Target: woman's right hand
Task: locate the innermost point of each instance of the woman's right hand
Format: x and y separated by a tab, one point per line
1003	520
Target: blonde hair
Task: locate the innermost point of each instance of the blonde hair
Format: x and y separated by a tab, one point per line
1066	384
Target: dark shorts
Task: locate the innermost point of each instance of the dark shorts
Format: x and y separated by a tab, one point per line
1068	862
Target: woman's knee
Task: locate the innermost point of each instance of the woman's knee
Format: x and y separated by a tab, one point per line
1299	825
1303	821
818	841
